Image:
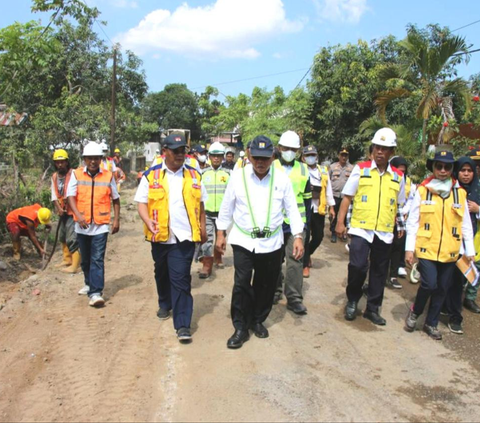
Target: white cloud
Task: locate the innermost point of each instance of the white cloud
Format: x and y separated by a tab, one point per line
226	28
341	10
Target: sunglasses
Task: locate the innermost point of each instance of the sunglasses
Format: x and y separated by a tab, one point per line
440	166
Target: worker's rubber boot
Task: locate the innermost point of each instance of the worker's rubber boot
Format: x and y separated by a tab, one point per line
17	249
73	268
217	257
67	257
207	268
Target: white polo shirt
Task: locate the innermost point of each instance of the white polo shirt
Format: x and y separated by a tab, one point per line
179	224
235	208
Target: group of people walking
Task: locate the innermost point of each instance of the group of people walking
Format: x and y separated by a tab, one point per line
273	206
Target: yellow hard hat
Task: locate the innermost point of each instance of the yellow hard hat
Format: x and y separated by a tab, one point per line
117	150
60	155
44	215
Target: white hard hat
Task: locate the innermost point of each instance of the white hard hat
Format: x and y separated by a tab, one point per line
242	153
92	149
385	137
289	139
104	146
216	148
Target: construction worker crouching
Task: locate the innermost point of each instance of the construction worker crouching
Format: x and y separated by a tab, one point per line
378	192
23	222
322	198
89	193
288	145
66	232
215	180
170	201
255	201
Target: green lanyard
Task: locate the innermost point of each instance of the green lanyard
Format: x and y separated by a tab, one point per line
256	232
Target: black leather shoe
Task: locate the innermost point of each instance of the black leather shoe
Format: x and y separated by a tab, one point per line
297	308
471	305
259	330
375	318
238	339
351	310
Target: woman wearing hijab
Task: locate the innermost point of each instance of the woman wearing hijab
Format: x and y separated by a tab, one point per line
437	224
468	180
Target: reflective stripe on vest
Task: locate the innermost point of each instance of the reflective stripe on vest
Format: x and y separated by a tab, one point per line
439	234
62	198
158	202
93	196
375	203
299	177
215	183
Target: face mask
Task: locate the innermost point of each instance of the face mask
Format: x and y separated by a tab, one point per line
288	156
202	158
310	160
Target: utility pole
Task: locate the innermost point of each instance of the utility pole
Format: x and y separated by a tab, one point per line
112	116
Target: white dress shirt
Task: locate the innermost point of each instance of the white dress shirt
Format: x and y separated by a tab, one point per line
351	188
93	229
235	208
178	222
316	180
413	222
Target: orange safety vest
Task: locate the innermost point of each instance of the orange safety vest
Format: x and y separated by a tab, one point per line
28	212
62	199
93	196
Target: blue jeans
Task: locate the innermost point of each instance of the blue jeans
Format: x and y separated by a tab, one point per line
173	263
92	250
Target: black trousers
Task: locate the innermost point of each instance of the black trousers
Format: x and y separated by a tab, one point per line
252	300
379	253
435	280
314	236
397	255
453	301
338	201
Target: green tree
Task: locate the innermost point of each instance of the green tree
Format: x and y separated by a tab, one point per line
427	72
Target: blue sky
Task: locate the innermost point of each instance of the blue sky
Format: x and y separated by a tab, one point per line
213	42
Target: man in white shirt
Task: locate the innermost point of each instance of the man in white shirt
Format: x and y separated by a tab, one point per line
89	193
170	200
378	194
254	201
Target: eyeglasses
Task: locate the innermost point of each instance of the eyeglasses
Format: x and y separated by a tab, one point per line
440	166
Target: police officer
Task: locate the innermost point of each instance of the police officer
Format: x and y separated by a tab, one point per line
322	198
377	191
288	145
339	174
255	199
66	234
215	180
170	201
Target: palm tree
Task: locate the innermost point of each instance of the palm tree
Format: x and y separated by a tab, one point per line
427	72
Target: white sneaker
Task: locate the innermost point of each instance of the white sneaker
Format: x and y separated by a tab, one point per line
96	300
402	272
84	291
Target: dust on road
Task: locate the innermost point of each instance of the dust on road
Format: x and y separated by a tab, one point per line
61	360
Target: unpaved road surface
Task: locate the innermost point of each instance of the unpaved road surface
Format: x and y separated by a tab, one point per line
61	360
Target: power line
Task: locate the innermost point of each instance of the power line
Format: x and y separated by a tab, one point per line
100	26
465	26
248	79
467	52
303	77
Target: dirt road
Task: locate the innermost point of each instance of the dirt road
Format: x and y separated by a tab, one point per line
61	360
